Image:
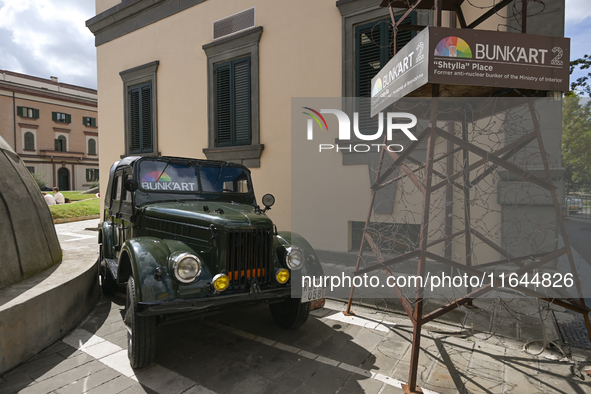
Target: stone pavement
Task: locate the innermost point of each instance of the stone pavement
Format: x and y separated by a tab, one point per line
243	351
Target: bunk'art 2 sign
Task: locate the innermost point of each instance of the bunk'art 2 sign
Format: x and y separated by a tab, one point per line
447	56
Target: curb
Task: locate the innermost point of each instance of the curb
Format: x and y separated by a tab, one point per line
77	219
40	310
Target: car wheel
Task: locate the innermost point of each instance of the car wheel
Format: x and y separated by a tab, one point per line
141	331
108	283
290	313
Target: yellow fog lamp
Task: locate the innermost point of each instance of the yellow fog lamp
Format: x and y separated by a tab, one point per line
282	275
221	282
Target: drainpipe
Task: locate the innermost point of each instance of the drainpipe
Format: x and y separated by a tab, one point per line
14	118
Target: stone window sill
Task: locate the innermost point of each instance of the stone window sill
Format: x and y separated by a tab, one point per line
247	155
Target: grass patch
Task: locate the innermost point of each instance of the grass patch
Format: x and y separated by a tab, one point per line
76	209
75	196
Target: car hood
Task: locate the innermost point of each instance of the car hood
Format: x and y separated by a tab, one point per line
228	215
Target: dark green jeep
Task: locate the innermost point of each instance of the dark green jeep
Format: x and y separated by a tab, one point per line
188	237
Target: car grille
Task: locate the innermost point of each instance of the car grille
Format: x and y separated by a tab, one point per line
249	256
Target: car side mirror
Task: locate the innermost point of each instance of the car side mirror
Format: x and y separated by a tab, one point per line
131	185
268	201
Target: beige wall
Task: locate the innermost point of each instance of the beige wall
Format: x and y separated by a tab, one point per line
182	78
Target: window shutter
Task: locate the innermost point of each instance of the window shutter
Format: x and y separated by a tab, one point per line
19	111
57	144
36	113
54	116
93	122
68	118
223	115
146	117
134	118
29	141
242	123
88	178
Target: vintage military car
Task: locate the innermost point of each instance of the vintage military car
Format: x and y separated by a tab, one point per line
188	237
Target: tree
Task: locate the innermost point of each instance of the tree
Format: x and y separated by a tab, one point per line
581	85
576	142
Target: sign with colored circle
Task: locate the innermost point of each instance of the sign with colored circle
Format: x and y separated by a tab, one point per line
453	47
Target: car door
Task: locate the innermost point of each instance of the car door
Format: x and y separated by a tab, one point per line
125	213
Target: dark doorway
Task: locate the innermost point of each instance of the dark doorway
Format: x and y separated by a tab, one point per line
63	179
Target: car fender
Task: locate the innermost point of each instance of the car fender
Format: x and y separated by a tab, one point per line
312	266
141	256
106	239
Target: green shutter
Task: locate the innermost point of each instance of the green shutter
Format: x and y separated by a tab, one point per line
54	116
36	113
19	111
57	143
93	122
242	122
29	141
233	122
134	119
223	115
140	119
88	178
146	107
68	118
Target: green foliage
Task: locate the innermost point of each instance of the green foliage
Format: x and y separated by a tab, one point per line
40	180
93	185
576	143
581	85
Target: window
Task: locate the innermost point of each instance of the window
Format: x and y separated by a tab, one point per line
233	98
141	111
88	121
92	146
92	174
61	144
29	141
31	169
61	117
140	119
373	49
232	103
27	112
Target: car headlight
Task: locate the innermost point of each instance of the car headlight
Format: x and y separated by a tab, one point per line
221	282
282	275
186	267
294	258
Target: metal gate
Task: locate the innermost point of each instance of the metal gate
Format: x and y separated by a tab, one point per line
578	206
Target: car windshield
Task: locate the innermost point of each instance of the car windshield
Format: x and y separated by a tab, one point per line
189	177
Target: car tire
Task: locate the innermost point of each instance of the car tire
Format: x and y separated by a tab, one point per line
290	313
141	331
108	283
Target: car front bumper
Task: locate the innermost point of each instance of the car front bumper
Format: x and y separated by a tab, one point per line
212	303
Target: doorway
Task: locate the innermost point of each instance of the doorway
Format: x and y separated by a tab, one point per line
63	179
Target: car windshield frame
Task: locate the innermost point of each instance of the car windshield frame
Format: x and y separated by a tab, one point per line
182	190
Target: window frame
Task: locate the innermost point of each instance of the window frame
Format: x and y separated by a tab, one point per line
89	121
20	111
61	137
231	65
88	146
25	147
237	46
57	117
132	78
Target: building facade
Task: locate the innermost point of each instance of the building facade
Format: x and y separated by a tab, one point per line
53	127
200	79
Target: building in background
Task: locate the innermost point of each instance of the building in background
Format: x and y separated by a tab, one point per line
52	126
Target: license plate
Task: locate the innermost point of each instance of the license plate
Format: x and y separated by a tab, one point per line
312	293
